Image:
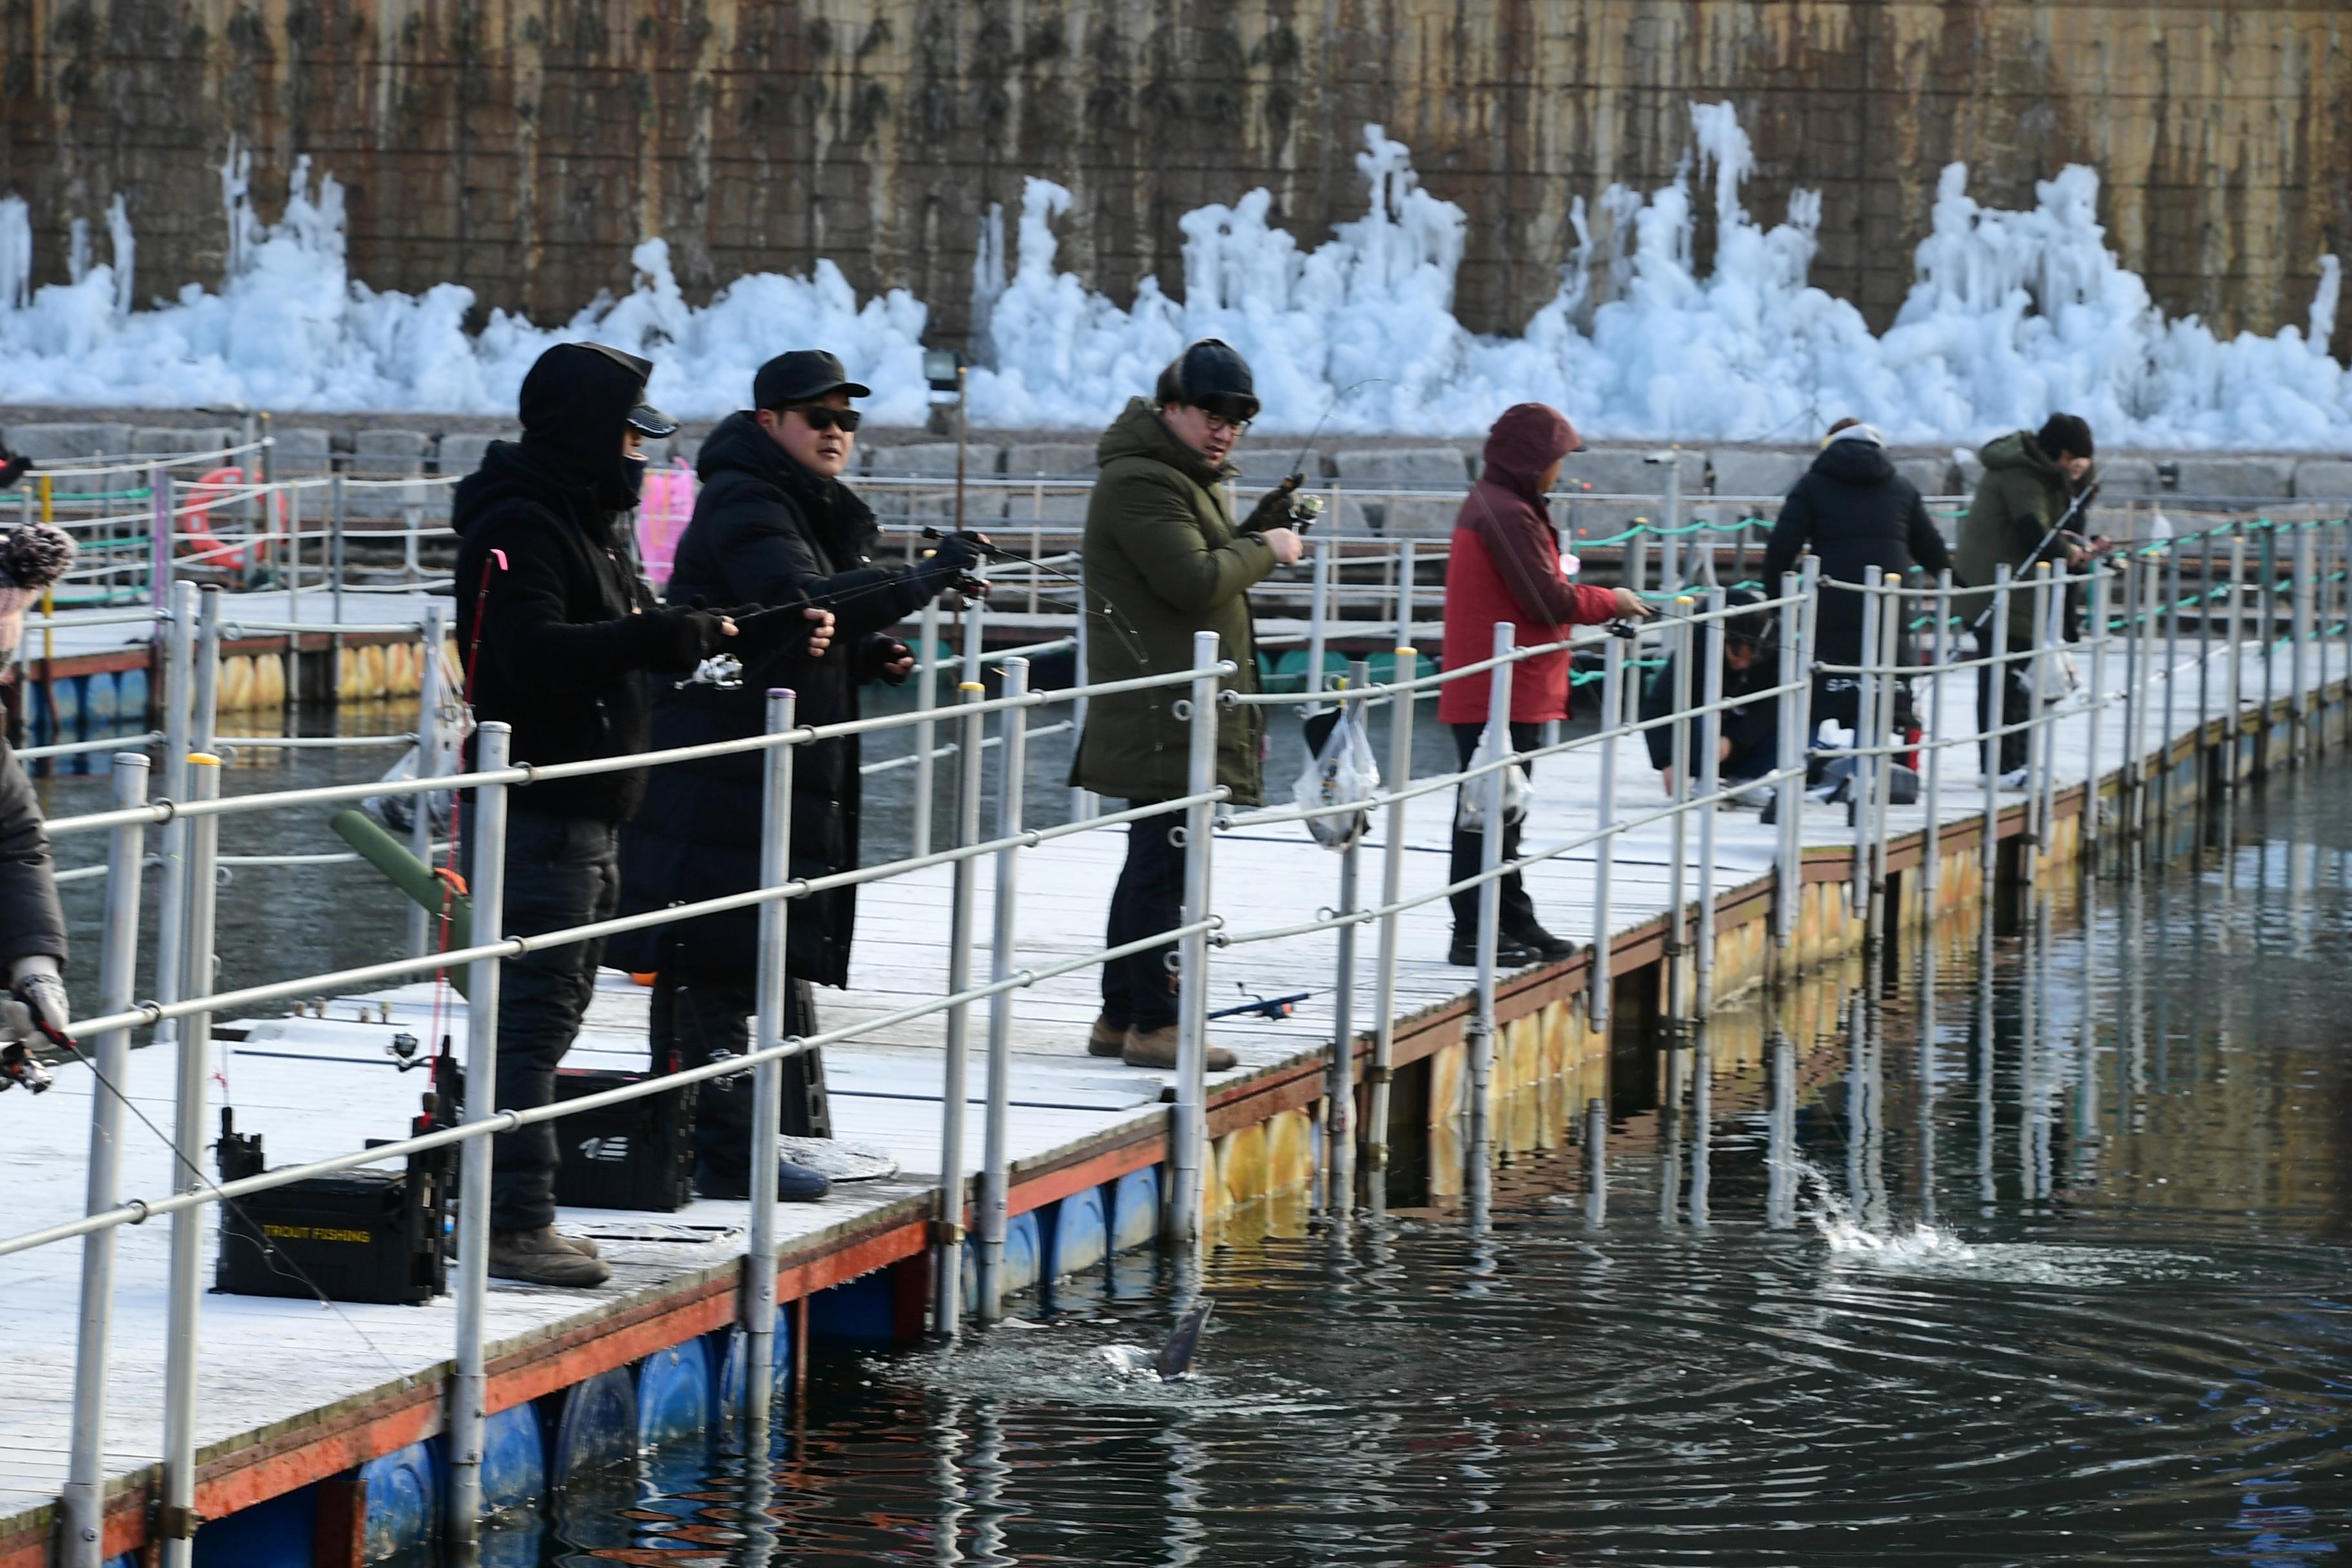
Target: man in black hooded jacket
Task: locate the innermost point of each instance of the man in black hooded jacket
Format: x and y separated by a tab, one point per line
773	525
1862	520
559	630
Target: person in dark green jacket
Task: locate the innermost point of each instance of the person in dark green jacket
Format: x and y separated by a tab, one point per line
1163	559
2030	478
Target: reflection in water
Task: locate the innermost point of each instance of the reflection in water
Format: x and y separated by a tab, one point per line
2081	1300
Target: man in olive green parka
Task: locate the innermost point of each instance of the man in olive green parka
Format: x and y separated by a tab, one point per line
1163	560
2030	479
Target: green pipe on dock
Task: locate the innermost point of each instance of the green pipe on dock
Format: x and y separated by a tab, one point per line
410	875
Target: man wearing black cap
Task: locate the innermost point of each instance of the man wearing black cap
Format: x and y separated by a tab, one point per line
1164	560
773	525
2030	479
559	630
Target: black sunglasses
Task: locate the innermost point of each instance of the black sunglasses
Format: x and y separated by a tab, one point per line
824	416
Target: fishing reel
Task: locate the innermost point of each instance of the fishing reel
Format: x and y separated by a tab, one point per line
1306	510
18	1065
722	670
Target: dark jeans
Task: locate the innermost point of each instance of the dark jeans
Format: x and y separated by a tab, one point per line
1519	911
1139	992
699	1017
560	871
2016	708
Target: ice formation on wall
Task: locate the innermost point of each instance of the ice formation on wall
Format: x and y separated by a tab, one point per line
2012	313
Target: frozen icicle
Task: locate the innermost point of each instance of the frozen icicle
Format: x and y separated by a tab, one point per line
125	250
2323	305
15	254
78	251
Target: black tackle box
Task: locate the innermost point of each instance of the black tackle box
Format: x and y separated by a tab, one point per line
364	1235
638	1155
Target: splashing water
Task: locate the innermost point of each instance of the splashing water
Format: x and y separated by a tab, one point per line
1849	1236
2012	313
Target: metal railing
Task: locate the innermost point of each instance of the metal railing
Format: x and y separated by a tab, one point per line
2300	585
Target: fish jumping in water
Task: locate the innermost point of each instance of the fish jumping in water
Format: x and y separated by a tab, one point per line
1175	1357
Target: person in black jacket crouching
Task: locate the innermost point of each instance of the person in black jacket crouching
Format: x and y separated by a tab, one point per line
560	629
1863	520
773	525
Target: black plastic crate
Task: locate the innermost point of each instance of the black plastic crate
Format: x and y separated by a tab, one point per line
638	1155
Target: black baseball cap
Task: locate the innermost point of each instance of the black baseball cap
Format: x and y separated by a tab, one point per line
803	375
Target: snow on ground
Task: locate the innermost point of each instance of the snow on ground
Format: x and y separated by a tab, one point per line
2012	314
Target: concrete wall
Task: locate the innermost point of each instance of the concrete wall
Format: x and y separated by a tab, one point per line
521	146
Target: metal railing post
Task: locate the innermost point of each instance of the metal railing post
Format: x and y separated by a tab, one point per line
2299	627
159	537
772	1019
948	1228
424	924
2096	624
1598	998
1710	777
179	701
2267	625
469	1381
1189	1128
1340	1091
2038	760
1404	595
84	1498
1317	612
175	1521
1480	1043
1993	644
1082	800
336	517
996	1155
927	699
1867	764
203	717
2171	672
1931	854
1888	657
1376	1119
1788	753
1677	945
2047	713
2237	700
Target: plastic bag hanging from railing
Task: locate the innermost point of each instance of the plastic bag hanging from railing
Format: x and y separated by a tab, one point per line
454	723
1339	768
1470	800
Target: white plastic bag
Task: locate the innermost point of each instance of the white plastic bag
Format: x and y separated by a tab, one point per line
1339	768
1470	800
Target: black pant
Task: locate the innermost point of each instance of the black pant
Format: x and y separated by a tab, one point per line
698	1018
1519	911
2016	708
1139	992
560	871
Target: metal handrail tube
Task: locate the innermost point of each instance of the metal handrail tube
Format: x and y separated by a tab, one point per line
1710	777
996	1157
948	1228
771	997
1189	1131
83	1499
468	1409
78	748
1376	1119
1477	1174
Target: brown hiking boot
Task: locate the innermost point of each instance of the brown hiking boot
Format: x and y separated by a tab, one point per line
542	1258
578	1244
1106	1039
1157	1048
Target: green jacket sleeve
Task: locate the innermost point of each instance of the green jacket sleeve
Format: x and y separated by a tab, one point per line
1158	532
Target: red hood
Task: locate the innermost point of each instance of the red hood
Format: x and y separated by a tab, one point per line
1528	440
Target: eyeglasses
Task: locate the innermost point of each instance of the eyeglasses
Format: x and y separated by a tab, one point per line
824	416
1218	424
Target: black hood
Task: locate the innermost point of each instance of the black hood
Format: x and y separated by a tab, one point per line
575	407
518	471
1864	464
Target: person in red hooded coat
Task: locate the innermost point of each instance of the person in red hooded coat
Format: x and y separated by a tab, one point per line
1506	566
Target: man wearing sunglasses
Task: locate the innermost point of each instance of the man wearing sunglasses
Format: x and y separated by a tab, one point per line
773	525
1164	560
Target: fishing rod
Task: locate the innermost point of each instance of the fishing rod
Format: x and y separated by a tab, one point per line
2074	510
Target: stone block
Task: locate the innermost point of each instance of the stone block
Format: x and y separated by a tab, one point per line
157	438
1752	472
2323	478
302	449
1060	506
1275	460
2236	477
918	484
1444	471
2130	478
461	452
1627	471
1026	459
1931	476
380	454
53	445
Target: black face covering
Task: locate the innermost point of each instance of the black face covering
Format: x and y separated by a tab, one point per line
575	408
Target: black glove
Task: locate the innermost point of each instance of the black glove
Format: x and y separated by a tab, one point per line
14	468
679	637
878	653
1273	509
958	551
758	633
